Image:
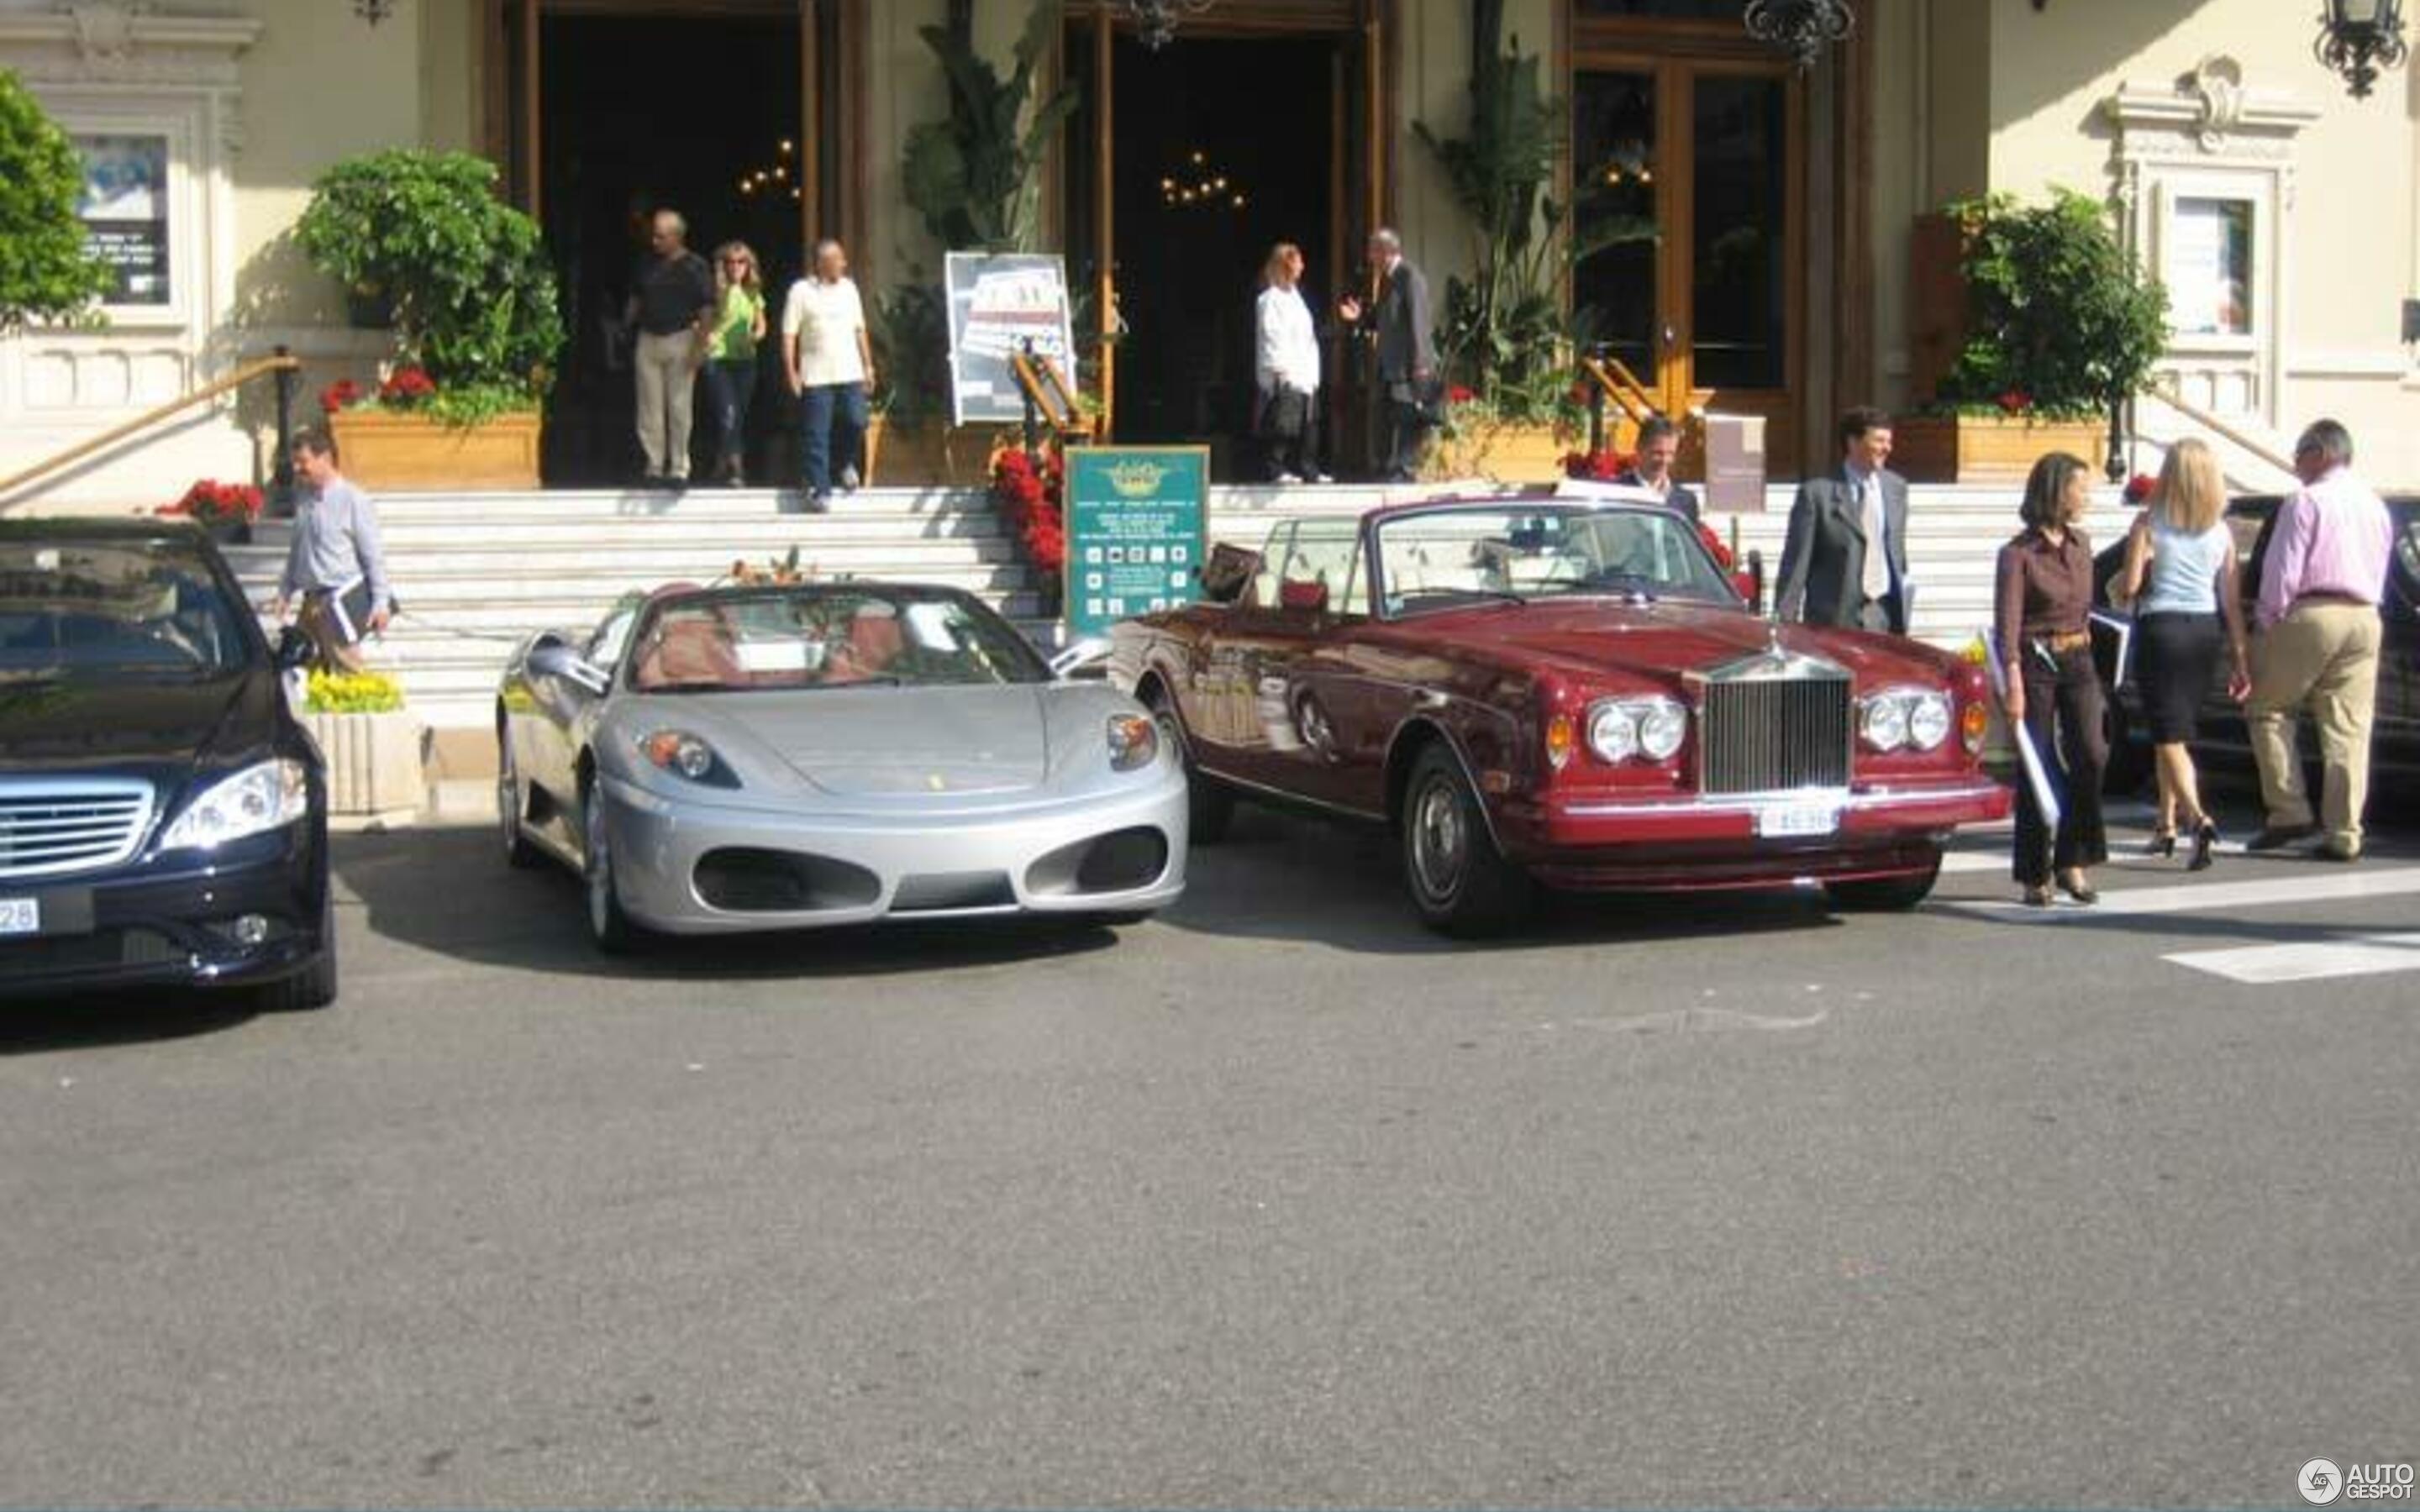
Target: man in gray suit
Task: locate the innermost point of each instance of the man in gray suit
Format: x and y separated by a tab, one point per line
1831	573
1401	324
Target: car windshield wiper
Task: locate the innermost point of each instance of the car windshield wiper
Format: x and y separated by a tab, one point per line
1500	596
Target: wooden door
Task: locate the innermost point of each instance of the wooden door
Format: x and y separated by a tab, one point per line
1689	195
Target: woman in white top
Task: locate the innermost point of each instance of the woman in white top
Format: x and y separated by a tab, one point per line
2181	573
1287	368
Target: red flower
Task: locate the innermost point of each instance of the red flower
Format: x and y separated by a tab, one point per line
2015	402
1028	497
2139	487
1597	467
342	394
210	503
1459	395
407	387
1714	544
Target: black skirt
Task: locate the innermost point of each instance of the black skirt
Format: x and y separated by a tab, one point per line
2175	660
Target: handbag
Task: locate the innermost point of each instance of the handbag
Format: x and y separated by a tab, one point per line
1284	412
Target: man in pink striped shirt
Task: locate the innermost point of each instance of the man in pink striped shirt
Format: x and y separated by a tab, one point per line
2318	644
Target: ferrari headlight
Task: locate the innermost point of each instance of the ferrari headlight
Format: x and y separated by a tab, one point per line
254	801
683	754
1134	741
1622	729
1900	718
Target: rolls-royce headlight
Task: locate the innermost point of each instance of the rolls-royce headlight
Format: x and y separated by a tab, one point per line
683	754
1134	741
1622	729
1613	733
1662	726
1928	721
1882	721
259	798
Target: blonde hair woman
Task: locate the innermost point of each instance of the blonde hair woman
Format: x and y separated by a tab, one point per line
731	352
2181	573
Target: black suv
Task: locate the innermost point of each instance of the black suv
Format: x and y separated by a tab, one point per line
162	816
2395	733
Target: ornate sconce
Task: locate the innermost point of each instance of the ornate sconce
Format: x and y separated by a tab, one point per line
1155	20
2357	37
374	11
1801	28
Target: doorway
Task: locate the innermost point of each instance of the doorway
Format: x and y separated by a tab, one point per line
1688	182
711	126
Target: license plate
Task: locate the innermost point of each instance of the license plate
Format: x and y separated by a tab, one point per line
20	915
1787	819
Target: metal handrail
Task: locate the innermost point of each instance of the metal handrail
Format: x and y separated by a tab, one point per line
284	364
2209	421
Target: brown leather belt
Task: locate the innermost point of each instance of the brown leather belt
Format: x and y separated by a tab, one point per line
2063	642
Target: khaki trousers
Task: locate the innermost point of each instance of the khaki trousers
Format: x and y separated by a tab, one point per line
667	375
2325	657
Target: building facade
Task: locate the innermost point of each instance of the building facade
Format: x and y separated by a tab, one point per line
1760	225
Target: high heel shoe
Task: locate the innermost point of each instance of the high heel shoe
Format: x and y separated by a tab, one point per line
2077	887
2163	842
2205	839
2037	895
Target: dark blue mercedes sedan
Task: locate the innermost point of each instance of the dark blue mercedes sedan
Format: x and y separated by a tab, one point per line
163	815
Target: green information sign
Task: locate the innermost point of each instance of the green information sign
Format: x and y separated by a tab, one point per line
1137	524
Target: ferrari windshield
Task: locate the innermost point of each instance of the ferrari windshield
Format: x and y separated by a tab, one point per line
1438	558
128	608
826	636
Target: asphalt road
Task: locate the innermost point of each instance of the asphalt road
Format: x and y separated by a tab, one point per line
1276	1200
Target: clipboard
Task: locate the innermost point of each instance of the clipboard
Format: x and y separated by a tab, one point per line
2122	626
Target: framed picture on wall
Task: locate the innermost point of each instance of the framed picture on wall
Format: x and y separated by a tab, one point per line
2209	266
125	210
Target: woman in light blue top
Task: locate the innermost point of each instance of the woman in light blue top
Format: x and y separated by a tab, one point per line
2181	573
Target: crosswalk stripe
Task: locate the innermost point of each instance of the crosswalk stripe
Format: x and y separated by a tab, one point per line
2365	955
2200	897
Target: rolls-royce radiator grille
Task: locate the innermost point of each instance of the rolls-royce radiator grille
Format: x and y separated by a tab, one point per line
1771	734
51	827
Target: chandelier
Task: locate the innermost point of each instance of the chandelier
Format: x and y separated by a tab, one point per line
2357	37
1801	28
374	11
1155	20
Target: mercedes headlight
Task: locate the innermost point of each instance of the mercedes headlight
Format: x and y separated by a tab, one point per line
254	801
1622	729
1134	741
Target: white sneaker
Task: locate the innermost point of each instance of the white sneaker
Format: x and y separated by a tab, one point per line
1285	478
848	480
1321	477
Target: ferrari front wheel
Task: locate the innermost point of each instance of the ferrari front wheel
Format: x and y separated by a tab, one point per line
608	925
1459	881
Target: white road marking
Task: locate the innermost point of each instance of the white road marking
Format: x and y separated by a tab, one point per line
2203	897
2366	955
1960	862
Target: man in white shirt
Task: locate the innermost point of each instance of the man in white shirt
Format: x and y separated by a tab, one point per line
828	358
335	567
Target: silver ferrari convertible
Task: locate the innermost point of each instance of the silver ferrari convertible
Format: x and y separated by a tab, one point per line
716	760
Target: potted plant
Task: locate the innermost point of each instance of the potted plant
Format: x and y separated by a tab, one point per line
371	744
974	179
1507	341
48	273
476	318
2061	325
226	510
1031	496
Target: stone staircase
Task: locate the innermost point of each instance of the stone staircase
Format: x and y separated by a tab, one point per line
475	573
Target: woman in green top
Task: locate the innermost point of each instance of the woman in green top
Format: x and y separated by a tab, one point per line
731	350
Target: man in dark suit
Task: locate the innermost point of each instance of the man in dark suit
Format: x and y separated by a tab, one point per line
1659	442
1401	323
1845	560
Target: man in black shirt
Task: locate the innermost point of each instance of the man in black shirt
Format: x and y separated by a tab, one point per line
672	303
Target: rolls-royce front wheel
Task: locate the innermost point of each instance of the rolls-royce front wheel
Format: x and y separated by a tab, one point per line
1459	881
1209	804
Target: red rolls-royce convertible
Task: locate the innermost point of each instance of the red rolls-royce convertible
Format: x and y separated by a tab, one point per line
1560	687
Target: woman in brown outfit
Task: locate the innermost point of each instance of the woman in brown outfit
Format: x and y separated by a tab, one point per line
2042	607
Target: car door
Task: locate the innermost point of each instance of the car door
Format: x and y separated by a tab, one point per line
563	709
1250	718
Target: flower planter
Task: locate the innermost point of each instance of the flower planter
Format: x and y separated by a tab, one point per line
374	762
1502	451
391	450
930	456
1989	448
